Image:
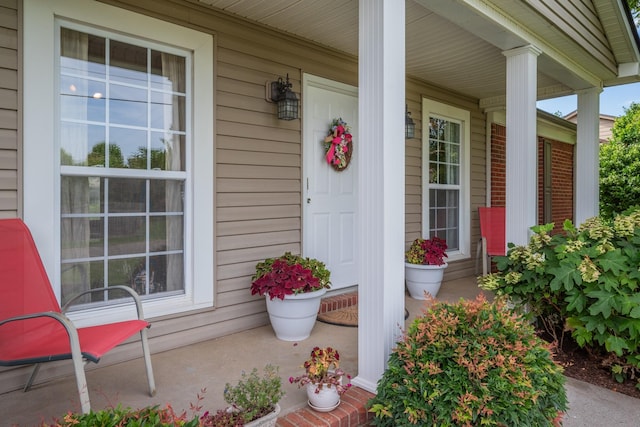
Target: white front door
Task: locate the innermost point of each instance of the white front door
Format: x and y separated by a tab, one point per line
330	197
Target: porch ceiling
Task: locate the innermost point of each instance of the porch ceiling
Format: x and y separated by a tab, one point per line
447	43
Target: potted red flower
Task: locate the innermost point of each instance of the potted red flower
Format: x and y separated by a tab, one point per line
289	275
424	266
293	287
323	379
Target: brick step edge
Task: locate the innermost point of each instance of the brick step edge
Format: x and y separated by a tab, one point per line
338	301
352	412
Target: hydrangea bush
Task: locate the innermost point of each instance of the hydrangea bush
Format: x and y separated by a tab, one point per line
584	280
470	364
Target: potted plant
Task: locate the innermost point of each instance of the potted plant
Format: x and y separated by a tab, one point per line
323	379
424	266
120	416
471	363
254	401
293	287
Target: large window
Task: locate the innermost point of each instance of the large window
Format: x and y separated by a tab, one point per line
117	140
123	144
445	176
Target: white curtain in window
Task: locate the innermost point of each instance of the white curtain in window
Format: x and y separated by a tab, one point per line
173	70
74	197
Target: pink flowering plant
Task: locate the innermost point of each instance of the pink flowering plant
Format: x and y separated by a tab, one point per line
289	275
322	369
427	251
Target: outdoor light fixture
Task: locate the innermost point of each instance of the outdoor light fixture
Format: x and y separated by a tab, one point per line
281	93
409	125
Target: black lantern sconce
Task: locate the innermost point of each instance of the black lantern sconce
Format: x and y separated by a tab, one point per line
409	125
280	92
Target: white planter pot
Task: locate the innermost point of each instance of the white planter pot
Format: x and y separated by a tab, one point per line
327	399
268	420
423	278
292	318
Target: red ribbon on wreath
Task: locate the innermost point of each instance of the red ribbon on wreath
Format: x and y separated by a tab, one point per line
337	144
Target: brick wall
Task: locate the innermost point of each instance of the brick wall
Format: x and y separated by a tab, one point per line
541	181
498	165
562	162
562	182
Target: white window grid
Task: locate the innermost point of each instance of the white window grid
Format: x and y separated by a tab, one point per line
148	174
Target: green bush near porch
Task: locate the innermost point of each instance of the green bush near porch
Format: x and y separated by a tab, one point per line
470	364
155	416
584	280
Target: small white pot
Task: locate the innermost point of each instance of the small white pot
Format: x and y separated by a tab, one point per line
327	399
423	278
293	318
268	420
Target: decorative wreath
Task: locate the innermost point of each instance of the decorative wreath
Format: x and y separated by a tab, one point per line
338	145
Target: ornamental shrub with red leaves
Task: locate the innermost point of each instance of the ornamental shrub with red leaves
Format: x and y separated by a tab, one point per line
470	364
289	275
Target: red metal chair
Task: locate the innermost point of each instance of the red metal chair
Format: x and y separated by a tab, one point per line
492	235
33	328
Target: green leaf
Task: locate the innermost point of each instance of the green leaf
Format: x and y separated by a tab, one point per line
632	326
580	333
590	323
616	344
576	302
563	276
609	282
546	228
605	303
613	261
502	262
568	226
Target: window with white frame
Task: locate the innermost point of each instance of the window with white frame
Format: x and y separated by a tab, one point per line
445	177
128	141
123	148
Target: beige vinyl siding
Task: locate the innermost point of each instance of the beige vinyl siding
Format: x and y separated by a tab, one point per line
9	105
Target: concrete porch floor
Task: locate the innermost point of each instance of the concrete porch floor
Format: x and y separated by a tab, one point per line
181	374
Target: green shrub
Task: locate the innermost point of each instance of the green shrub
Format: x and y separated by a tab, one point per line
469	364
584	280
525	275
152	416
255	396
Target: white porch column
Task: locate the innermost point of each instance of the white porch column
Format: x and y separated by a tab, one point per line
586	191
380	156
522	147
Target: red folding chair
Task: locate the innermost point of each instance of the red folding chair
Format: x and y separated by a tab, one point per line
33	328
492	235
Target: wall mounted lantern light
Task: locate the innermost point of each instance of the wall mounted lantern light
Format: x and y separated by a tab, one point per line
280	92
409	125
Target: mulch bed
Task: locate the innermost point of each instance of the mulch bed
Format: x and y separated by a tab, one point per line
590	368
